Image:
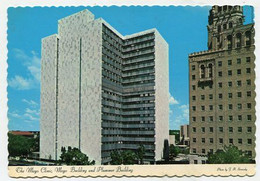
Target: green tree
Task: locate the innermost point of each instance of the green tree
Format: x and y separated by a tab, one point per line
140	153
174	150
19	145
125	157
230	154
74	157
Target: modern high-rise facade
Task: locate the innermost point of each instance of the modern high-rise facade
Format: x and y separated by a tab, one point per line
222	85
102	91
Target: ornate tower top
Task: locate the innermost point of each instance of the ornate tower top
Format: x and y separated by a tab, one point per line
222	19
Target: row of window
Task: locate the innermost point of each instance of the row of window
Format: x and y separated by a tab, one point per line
229	62
220	95
221	118
221	140
220	107
229	84
221	129
239	61
220	73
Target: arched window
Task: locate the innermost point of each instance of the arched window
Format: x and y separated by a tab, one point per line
224	26
240	21
229	42
248	38
210	70
230	25
238	40
202	71
219	28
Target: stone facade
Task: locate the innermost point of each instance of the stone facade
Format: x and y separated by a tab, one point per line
221	85
102	91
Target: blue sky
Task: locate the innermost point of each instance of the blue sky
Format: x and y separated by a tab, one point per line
184	28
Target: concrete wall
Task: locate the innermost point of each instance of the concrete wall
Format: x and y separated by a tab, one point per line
161	94
48	97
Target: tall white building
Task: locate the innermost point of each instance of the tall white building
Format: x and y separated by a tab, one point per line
101	91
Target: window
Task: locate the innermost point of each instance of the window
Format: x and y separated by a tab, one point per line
211	118
248	59
230	118
211	140
210	70
220	140
220	84
249	141
210	107
248	82
202	140
229	42
229	84
194	129
203	151
248	38
248	70
248	93
249	129
239	129
193	87
230	129
194	150
211	129
203	108
202	71
210	96
193	67
211	150
202	118
220	118
193	77
195	161
220	63
202	97
220	73
239	61
203	129
230	25
238	71
249	117
193	98
194	140
239	106
230	72
249	106
239	94
229	62
230	141
239	141
220	107
193	108
210	86
220	129
193	119
220	96
230	95
239	117
224	26
238	40
230	106
239	83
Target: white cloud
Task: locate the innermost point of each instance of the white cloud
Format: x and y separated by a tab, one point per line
20	83
172	100
33	67
30	102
